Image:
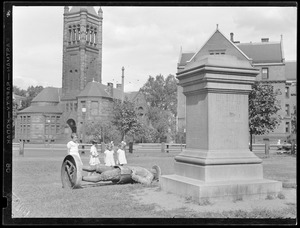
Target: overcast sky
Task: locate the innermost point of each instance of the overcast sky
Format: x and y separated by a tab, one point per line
145	40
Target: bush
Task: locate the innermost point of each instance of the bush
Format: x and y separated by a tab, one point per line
281	195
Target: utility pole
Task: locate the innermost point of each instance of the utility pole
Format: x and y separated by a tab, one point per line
123	84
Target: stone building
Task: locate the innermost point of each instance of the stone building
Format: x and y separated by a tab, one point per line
57	112
268	58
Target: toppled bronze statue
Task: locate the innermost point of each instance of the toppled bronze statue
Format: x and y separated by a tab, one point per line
71	173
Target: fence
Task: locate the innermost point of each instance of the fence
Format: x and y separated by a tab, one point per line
153	147
159	147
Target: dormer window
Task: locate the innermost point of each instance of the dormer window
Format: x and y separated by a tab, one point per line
217	52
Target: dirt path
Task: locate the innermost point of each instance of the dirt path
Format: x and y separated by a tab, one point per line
168	201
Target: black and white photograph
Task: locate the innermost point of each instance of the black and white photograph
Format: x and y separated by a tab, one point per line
150	113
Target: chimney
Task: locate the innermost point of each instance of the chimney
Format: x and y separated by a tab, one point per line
110	87
123	84
264	40
231	37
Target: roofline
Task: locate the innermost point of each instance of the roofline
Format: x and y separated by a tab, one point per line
21	112
92	96
249	59
78	12
259	43
268	64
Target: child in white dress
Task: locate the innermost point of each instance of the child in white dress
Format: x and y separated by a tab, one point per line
73	146
109	155
94	157
121	158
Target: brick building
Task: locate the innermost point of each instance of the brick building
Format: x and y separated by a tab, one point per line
267	57
57	112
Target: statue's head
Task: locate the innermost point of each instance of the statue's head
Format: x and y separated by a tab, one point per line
156	171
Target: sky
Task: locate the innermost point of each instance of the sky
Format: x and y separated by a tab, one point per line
145	40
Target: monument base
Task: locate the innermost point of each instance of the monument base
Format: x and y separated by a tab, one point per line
200	190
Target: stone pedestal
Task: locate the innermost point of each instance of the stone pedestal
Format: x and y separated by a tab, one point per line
217	163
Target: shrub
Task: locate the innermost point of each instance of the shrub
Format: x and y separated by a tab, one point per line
281	195
204	202
270	197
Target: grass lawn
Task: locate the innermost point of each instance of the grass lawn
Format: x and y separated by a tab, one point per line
37	190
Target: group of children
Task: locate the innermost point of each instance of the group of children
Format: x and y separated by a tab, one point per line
109	159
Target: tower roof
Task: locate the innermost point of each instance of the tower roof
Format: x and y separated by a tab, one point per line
48	109
90	9
96	89
48	94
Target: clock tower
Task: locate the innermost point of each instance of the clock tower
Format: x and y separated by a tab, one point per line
82	49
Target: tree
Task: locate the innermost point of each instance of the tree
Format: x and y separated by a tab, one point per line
161	97
161	93
102	131
32	92
263	108
163	122
125	118
19	91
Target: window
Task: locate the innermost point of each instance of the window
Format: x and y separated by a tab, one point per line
67	107
287	127
217	52
287	92
57	129
264	73
75	106
287	110
71	106
94	109
82	104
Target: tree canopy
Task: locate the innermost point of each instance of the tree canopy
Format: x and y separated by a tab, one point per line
263	108
30	93
161	97
161	93
125	118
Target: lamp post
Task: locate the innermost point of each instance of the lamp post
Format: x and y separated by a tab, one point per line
83	114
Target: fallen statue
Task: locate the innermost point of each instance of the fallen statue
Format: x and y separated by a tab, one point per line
71	173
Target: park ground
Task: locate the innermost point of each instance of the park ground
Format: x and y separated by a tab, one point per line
37	192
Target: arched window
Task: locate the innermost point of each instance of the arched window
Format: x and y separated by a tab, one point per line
74	34
78	32
70	34
95	36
